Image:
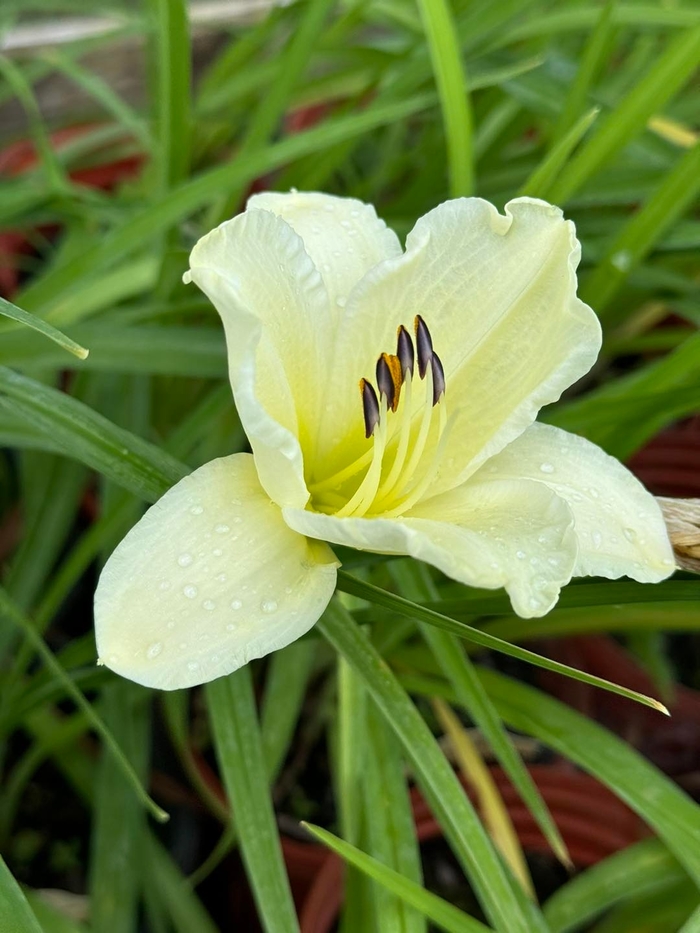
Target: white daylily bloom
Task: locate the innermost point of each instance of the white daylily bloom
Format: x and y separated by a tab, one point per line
456	343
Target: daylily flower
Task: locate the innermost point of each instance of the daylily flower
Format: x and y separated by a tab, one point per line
455	343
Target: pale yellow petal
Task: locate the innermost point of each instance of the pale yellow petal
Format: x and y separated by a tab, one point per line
498	293
515	533
210	578
343	236
619	525
275	311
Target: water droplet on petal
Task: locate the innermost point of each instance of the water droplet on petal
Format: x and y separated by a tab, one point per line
269	606
164	585
630	534
521	555
230	627
597	539
193	665
196	510
546	468
154	650
209	605
236	604
221	529
221	577
184	560
190	591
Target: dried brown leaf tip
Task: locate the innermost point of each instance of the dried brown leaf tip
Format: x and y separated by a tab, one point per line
682	517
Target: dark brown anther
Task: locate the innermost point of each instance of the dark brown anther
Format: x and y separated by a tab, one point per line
405	352
438	378
389	379
424	345
385	383
370	407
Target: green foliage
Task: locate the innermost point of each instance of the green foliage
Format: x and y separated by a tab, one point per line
588	104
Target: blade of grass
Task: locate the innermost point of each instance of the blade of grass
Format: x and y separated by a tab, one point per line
118	824
540	181
51	919
16	916
391	830
596	53
641	867
97	88
677	191
50	289
645	401
415	581
650	95
350	584
86	436
164	880
491	804
657	800
500	895
692	924
294	60
659	911
430	905
7	309
446	58
170	63
53	170
8	610
234	720
172	350
285	685
351	748
635	617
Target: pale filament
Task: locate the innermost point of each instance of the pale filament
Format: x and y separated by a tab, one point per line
367	490
418	448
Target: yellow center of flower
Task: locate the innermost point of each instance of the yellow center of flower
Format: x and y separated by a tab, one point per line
406	418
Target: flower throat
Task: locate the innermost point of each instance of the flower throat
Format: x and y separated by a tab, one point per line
394	480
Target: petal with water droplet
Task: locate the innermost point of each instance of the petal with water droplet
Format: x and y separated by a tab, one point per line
343	236
618	523
204	623
479	534
275	310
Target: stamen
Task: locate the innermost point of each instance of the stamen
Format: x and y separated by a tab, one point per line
406	479
405	352
419	446
389	379
419	490
370	406
404	436
424	345
438	378
367	490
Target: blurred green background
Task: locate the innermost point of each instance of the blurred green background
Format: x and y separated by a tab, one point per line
128	130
